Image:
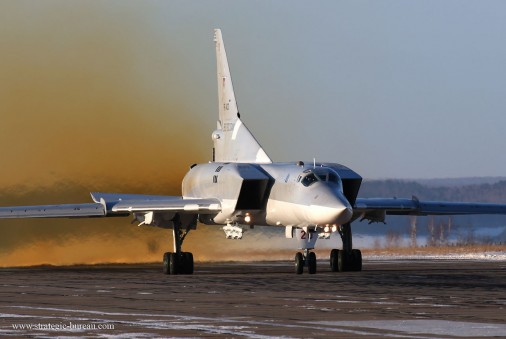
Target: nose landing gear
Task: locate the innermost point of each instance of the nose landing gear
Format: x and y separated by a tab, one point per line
341	260
307	259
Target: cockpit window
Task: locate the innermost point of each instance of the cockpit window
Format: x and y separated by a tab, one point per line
309	180
319	174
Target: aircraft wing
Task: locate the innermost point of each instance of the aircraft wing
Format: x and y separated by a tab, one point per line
126	203
53	211
375	209
109	205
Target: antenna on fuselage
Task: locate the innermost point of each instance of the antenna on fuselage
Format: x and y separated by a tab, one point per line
314	163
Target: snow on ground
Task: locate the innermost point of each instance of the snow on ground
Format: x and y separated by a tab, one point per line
427	327
493	256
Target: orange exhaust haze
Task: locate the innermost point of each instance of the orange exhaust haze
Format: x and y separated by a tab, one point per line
92	98
88	103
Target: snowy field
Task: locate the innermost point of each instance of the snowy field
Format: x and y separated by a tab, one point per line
492	256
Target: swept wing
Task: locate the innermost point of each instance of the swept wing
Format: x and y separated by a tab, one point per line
375	209
110	205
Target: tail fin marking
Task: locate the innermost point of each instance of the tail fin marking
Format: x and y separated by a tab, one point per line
233	142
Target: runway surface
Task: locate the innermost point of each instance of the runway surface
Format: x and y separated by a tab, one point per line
402	298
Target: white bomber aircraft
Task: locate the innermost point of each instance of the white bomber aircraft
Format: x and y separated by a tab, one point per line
242	187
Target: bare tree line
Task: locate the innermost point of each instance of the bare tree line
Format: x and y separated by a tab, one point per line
441	232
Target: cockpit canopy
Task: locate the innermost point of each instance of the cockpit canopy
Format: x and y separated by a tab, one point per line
323	174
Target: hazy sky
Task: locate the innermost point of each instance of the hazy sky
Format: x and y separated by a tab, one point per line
409	89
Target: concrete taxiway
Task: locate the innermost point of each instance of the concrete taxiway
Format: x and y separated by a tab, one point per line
403	298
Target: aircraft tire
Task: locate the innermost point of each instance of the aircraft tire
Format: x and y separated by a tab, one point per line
299	263
311	263
166	269
356	260
173	264
187	262
334	260
342	264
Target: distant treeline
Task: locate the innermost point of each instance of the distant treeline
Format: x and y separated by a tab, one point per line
493	193
463	227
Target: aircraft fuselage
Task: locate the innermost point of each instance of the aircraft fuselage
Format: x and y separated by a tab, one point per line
279	194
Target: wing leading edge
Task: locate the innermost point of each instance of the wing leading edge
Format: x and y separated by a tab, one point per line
375	209
110	205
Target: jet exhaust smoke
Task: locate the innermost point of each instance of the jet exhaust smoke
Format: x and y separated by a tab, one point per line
79	113
27	242
90	101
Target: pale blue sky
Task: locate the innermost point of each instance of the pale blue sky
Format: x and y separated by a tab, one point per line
407	89
390	88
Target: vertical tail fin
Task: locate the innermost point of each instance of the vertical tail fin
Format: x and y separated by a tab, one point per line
233	142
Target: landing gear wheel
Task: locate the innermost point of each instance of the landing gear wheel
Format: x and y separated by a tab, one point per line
356	260
166	269
342	261
187	262
311	263
299	263
334	260
173	264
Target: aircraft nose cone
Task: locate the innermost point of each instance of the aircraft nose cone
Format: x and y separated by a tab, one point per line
333	209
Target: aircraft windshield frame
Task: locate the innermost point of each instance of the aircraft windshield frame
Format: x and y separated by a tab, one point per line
309	179
322	174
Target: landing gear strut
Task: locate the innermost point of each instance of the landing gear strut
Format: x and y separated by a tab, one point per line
178	262
347	259
307	259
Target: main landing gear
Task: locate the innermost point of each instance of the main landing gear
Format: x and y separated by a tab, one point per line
178	262
347	259
341	261
174	263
